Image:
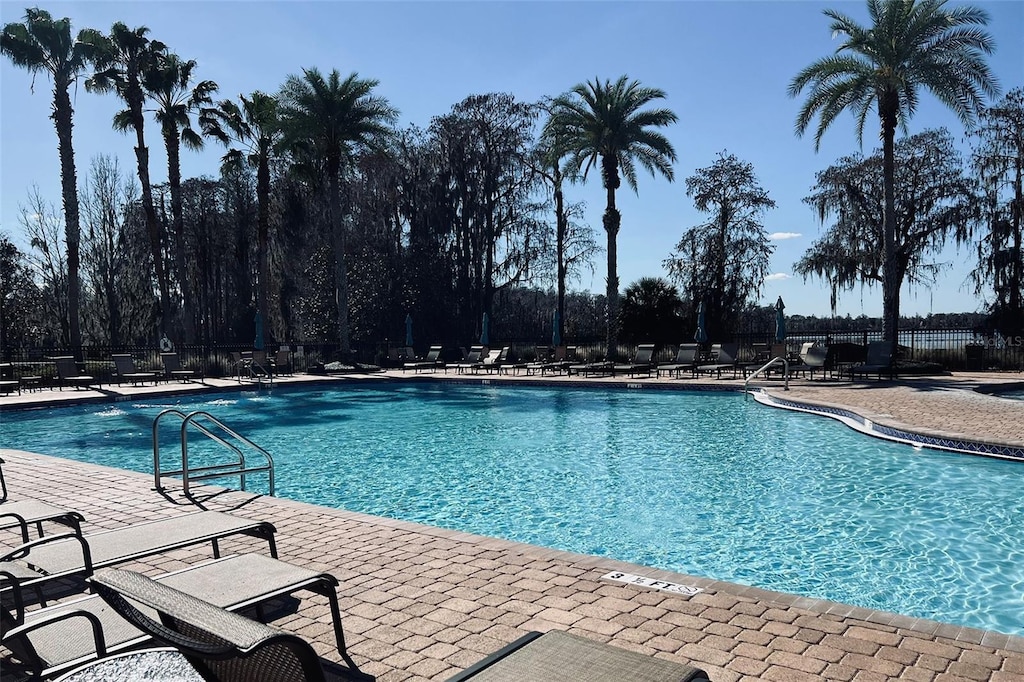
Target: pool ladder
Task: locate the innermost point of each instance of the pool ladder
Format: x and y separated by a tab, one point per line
764	368
214	429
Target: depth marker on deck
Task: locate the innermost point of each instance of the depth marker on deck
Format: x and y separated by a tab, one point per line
663	585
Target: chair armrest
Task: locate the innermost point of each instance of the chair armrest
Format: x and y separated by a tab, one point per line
22	551
50	619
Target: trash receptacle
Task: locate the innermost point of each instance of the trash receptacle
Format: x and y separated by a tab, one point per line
974	358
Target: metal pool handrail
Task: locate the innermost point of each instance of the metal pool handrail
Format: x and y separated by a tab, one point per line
238	467
785	373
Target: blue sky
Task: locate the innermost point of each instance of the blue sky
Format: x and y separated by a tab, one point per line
725	67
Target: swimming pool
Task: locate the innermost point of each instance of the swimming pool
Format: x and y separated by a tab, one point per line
698	482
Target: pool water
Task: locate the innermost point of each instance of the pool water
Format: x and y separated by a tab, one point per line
703	483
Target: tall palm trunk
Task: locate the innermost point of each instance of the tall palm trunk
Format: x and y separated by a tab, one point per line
62	121
262	233
173	146
340	260
135	97
612	220
888	106
561	225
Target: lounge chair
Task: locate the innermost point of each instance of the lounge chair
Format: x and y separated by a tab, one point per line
813	356
72	554
494	361
725	358
8	382
221	645
685	360
67	373
472	359
51	640
282	362
641	363
126	370
560	657
23	513
587	368
173	368
432	362
878	361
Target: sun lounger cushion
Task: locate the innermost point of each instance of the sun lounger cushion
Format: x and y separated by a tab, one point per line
57	638
72	554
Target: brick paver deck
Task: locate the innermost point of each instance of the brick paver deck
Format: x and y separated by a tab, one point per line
421	602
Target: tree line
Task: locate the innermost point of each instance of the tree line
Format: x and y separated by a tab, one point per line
327	223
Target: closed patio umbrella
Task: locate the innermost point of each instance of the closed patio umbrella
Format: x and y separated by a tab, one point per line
701	335
485	336
780	321
408	330
258	341
556	336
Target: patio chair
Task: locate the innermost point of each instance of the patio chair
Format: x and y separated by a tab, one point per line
685	360
73	554
50	640
725	358
587	368
878	361
219	644
67	373
282	362
641	362
474	358
125	368
24	513
560	657
432	362
173	368
493	361
8	382
813	356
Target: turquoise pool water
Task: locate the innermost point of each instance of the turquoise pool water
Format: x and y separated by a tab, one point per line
697	482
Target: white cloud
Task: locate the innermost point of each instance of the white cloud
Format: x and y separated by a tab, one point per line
776	276
779	236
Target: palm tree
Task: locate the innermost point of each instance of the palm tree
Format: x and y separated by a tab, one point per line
330	119
603	122
168	84
257	127
121	59
911	44
44	44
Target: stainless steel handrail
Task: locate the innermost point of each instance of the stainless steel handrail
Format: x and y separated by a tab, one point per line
764	367
234	468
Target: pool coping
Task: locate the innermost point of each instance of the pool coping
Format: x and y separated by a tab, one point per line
824	607
869	427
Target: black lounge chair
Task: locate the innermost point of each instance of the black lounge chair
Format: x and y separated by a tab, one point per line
878	361
725	358
72	554
685	360
473	359
560	657
50	640
642	362
813	357
432	362
219	644
173	368
23	513
125	368
67	373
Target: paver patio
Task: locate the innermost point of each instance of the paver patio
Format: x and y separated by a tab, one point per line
422	602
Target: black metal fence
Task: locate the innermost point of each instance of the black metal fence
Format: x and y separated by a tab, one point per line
954	349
